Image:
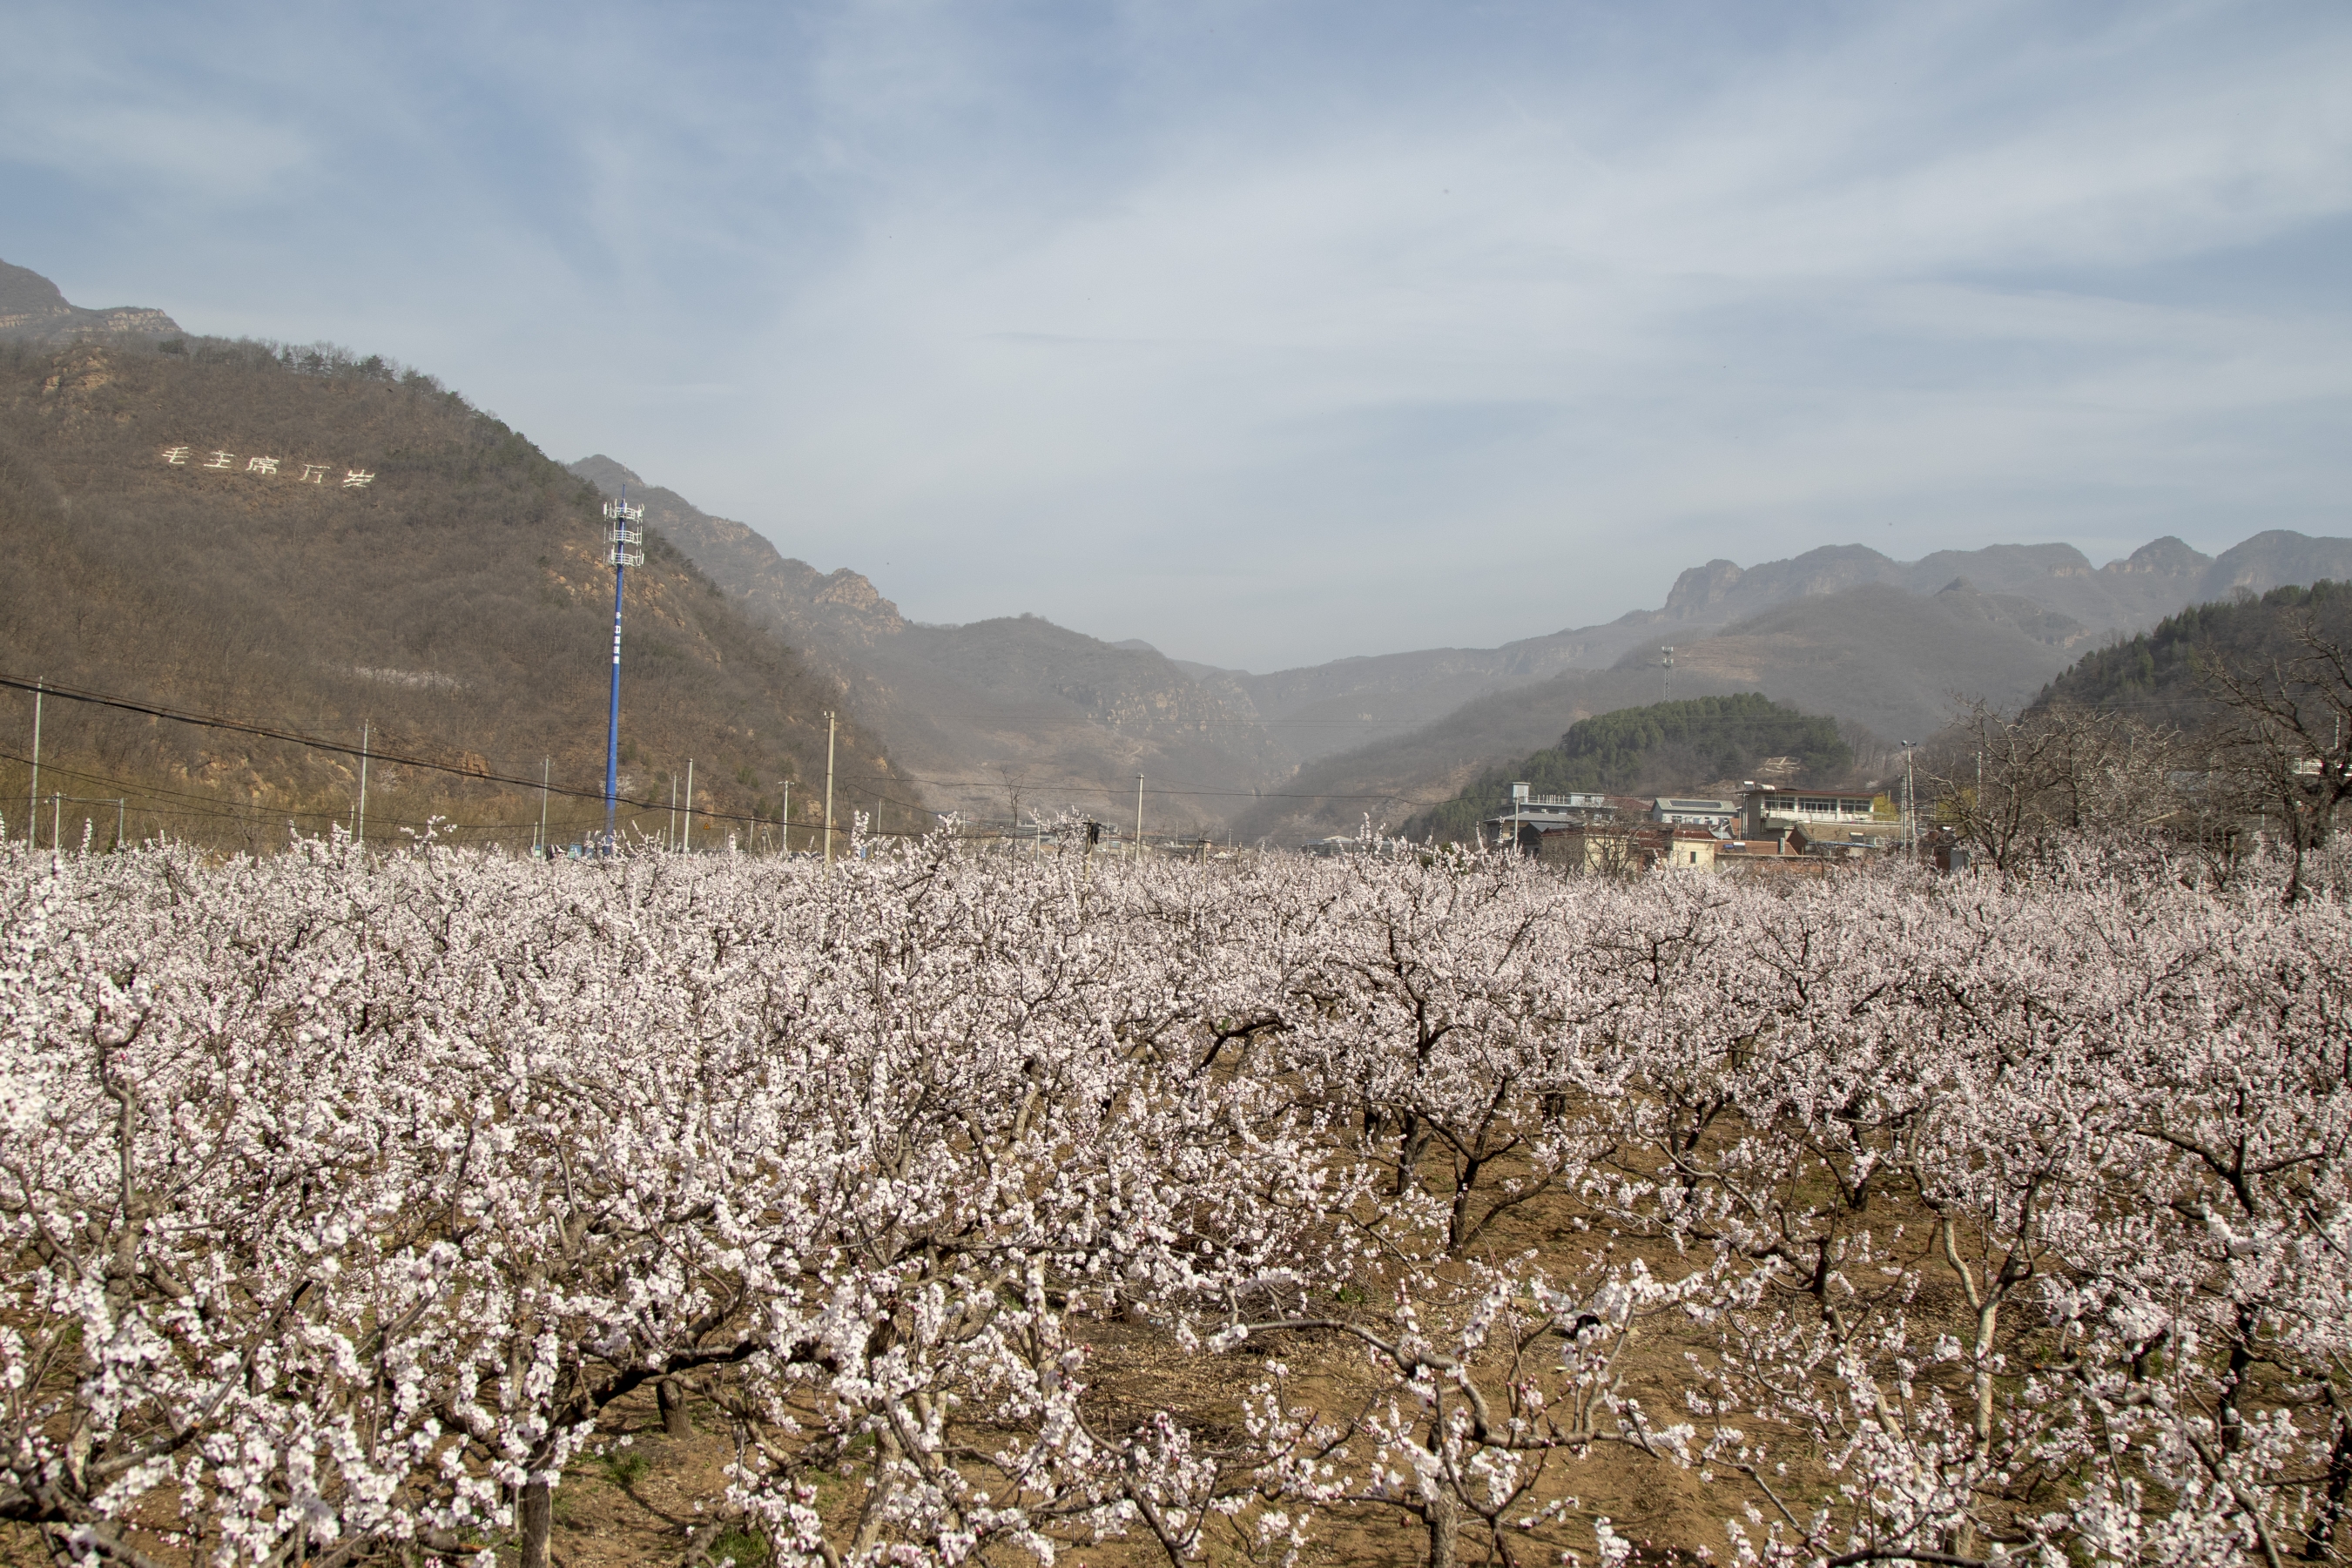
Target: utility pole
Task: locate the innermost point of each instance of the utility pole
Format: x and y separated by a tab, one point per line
359	835
1910	805
1136	853
670	843
545	763
784	823
830	721
118	804
56	820
628	551
689	805
33	795
1667	662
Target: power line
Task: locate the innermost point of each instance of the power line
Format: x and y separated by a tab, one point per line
341	749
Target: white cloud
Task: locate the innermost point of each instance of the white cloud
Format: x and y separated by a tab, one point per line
1270	333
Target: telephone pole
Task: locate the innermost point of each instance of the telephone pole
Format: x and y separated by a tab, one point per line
33	796
1136	853
830	721
359	834
545	763
1910	805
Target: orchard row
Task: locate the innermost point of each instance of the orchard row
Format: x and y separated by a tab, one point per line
346	1200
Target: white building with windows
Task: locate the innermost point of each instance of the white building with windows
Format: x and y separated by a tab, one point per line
1693	812
1820	812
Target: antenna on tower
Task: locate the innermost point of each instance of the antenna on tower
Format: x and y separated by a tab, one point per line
1667	662
627	549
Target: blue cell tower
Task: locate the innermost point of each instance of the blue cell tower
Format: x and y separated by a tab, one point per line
628	551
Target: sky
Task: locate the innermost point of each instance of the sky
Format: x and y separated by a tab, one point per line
1274	333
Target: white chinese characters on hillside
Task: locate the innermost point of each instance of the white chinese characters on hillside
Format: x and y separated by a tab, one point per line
267	467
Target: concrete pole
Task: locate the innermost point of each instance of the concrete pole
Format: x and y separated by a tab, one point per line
831	721
1137	853
33	795
359	837
689	805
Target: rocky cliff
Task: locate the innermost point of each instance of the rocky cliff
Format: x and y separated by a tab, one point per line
33	310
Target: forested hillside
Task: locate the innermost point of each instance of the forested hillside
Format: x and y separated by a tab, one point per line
1678	745
2159	677
316	543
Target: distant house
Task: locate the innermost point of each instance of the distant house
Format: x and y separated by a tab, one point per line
1692	812
1624	848
1769	854
1848	840
1765	810
1530	817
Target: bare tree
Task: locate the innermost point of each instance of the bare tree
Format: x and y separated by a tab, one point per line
2287	746
2013	785
1015	779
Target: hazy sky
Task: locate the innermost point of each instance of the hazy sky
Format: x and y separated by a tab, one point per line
1272	333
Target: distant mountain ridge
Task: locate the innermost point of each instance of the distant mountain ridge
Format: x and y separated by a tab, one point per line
1322	709
1882	645
1876	653
34	310
980	713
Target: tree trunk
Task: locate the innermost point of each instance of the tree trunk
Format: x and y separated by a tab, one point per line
2319	1543
671	1396
1412	1144
537	1523
1444	1517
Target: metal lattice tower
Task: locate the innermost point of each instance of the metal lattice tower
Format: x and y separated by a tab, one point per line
627	549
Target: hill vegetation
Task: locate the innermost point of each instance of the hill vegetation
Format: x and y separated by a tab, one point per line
321	542
2162	676
1664	746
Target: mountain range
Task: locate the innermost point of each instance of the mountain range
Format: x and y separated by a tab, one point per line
979	712
998	718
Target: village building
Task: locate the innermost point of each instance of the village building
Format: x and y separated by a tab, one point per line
1766	810
1696	812
1768	854
1530	817
1622	848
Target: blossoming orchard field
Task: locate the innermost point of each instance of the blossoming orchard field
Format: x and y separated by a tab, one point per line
966	1207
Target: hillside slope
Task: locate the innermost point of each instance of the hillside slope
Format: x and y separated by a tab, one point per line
318	543
2161	675
979	713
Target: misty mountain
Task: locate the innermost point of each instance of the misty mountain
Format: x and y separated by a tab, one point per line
1322	709
979	713
1884	646
33	310
1889	662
